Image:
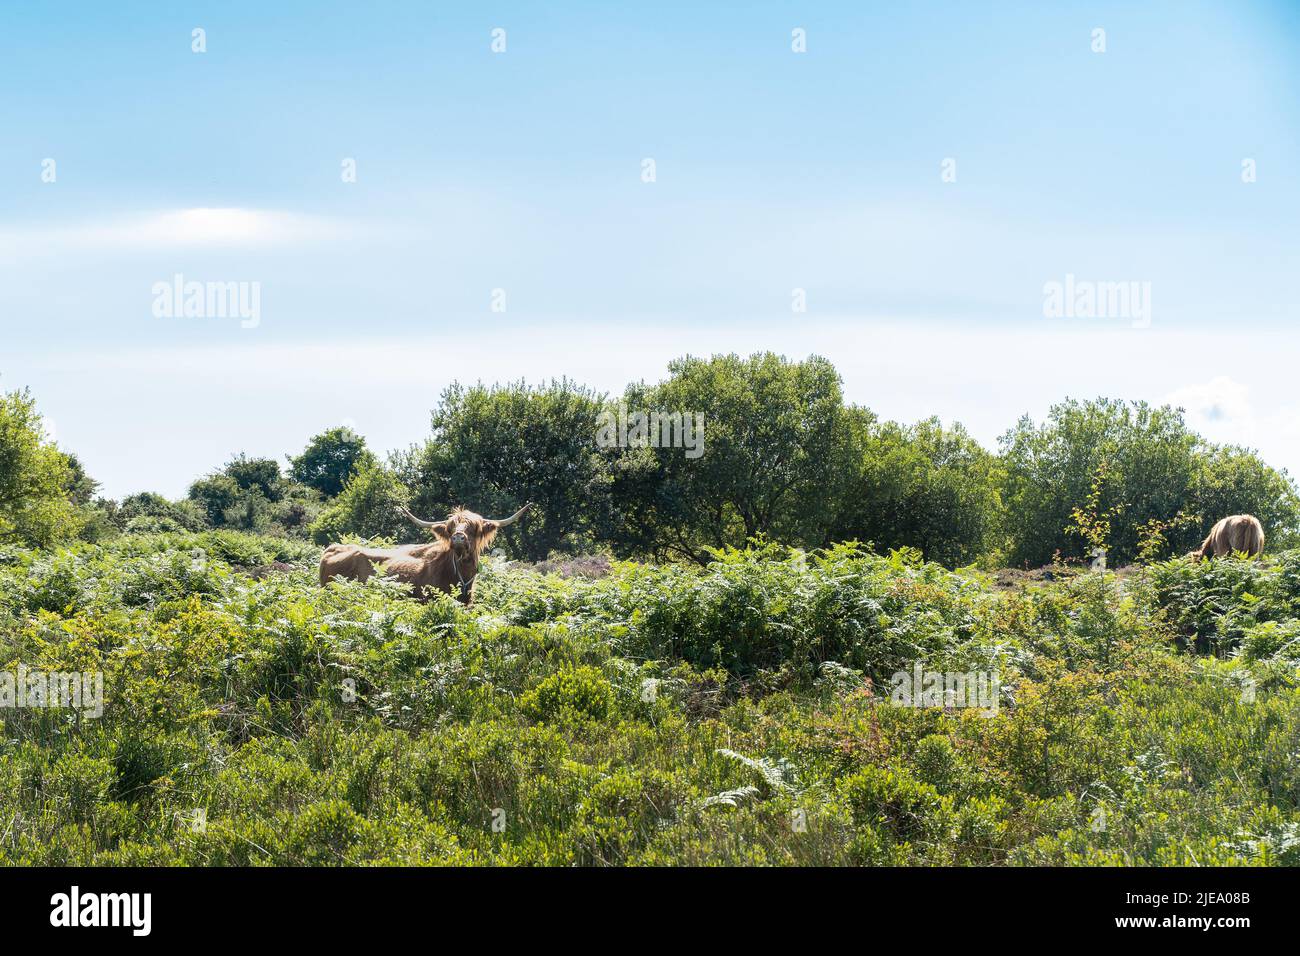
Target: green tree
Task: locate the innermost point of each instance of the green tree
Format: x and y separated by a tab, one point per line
1148	455
243	495
1232	480
260	475
216	495
329	460
36	479
149	511
252	511
96	514
1155	468
927	487
297	508
495	448
367	508
779	447
79	488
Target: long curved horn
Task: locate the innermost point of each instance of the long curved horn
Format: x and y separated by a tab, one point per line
422	523
504	522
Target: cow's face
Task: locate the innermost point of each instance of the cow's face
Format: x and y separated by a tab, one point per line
466	533
463	530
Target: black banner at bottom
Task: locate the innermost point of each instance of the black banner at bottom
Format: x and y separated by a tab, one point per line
362	906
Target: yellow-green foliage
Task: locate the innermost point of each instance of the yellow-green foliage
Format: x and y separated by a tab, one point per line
734	714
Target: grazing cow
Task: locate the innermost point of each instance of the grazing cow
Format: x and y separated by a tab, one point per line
1234	533
449	563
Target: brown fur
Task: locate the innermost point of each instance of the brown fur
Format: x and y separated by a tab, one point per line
1235	533
429	567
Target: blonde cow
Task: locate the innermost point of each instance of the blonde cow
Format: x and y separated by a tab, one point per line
1231	534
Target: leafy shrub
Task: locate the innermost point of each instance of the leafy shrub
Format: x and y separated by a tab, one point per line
1270	640
1213	603
894	802
583	692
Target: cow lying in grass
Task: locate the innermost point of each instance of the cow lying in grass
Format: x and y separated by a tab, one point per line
448	563
1234	533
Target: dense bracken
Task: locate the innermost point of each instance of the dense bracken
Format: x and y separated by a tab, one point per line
736	713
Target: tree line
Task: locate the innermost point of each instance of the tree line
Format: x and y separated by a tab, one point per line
783	456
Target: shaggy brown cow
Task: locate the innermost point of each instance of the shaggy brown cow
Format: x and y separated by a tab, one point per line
1234	533
448	563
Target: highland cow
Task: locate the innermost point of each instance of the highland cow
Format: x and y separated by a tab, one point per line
1235	533
449	563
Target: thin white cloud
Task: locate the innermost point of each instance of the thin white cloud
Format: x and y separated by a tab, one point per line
202	226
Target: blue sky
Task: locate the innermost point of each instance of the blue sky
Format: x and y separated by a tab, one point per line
522	171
